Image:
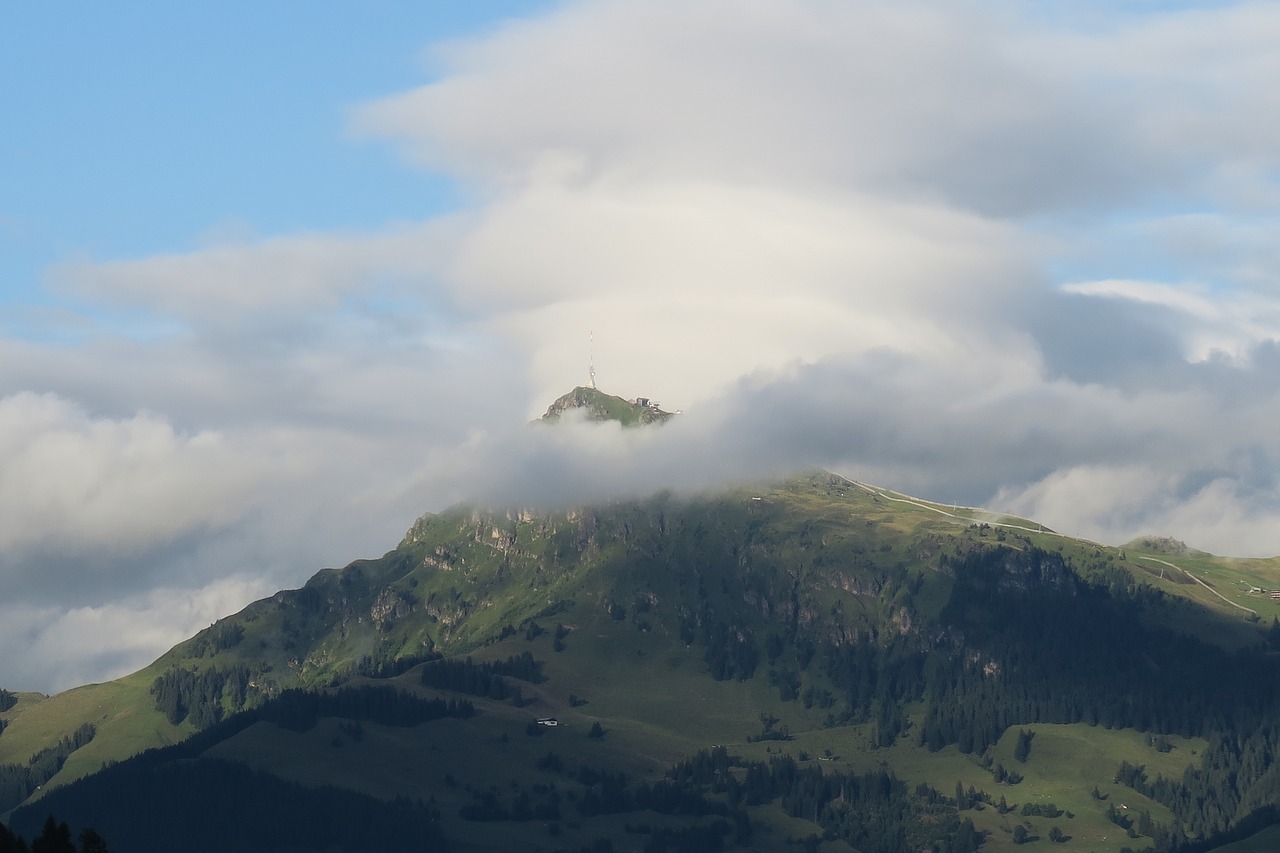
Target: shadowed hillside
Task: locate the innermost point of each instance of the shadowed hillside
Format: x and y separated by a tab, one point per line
816	621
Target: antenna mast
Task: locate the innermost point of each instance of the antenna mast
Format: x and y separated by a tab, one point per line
591	365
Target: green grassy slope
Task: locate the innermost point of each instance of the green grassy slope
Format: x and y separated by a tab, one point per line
121	710
632	587
650	729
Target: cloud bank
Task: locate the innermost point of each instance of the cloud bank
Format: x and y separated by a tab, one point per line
963	250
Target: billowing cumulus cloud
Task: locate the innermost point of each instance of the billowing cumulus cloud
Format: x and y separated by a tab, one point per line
971	251
114	485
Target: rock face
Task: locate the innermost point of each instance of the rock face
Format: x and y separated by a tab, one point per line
1164	545
600	406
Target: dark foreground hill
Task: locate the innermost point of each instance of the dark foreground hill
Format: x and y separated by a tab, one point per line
814	662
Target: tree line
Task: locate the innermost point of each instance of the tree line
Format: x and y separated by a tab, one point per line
218	637
728	648
55	837
487	678
874	812
1024	639
1234	785
299	710
1028	637
19	781
202	696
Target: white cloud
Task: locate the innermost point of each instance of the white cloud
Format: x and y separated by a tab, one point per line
1119	504
1230	323
689	287
827	231
65	647
81	485
932	99
305	274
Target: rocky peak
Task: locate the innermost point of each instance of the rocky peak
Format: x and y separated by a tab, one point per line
600	406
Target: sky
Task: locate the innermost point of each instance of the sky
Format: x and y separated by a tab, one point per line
275	279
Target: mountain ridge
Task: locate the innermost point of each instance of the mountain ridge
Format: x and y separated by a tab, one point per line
812	613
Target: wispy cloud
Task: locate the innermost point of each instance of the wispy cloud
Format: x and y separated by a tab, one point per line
1220	323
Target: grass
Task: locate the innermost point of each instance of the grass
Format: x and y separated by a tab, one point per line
1233	578
446	760
1065	764
121	710
657	706
652	693
1214	620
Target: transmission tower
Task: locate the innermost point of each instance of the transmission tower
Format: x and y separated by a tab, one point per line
591	364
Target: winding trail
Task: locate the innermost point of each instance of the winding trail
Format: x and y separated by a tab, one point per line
964	519
1189	574
905	499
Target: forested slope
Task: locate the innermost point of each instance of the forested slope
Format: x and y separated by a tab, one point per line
819	630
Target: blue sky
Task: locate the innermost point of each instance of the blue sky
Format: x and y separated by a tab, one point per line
138	128
278	278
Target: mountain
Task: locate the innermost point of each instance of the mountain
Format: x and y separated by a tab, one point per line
599	406
814	660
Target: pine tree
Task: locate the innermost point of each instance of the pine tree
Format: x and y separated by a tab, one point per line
10	843
1023	748
54	838
92	842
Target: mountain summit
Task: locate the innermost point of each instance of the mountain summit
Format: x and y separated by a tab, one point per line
600	406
